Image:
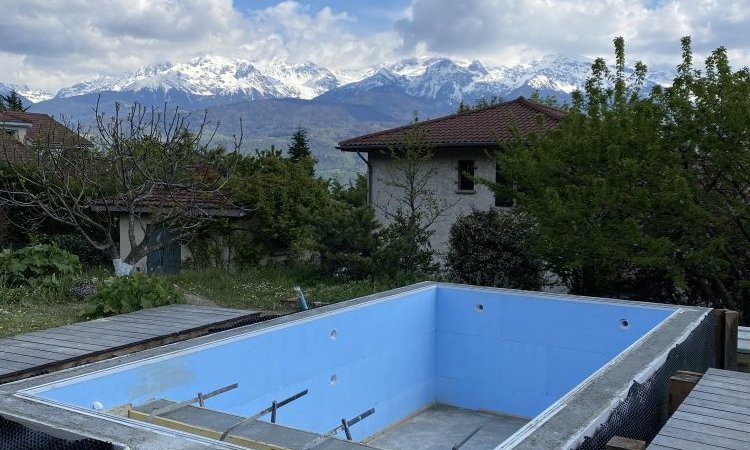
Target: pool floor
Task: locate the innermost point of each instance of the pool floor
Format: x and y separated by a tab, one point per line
441	426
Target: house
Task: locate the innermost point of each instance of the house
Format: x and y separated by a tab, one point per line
155	215
463	146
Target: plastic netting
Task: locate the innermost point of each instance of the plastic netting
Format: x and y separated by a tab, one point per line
15	436
643	413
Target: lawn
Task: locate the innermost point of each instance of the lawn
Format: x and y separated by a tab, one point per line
31	308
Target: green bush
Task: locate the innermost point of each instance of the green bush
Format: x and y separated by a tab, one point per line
489	248
37	262
76	244
119	295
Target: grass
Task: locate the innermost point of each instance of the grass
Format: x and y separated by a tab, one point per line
37	307
30	308
271	289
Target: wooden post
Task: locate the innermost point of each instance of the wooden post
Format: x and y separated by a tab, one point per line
731	322
680	385
719	337
621	443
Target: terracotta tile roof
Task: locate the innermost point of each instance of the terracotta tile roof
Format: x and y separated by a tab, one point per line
482	127
44	129
161	195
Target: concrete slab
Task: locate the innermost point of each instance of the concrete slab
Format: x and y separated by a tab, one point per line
442	426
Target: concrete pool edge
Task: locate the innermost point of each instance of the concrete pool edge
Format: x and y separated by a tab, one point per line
21	390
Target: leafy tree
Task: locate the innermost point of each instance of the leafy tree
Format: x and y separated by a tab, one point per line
645	196
490	248
299	148
12	102
346	233
282	199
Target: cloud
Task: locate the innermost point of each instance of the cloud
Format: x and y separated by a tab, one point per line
508	31
54	43
50	43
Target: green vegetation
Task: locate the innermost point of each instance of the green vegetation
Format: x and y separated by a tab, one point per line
490	248
120	295
37	263
645	197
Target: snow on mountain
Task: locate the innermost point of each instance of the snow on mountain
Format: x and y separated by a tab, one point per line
211	75
452	81
32	95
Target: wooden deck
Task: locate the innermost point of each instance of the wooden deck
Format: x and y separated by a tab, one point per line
716	415
31	354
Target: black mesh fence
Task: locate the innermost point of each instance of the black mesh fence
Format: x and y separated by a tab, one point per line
15	436
643	413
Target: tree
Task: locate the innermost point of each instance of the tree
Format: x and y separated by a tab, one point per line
490	248
645	196
414	206
346	231
299	148
12	102
87	183
607	197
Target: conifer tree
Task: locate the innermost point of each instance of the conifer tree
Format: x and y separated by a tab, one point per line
13	102
299	148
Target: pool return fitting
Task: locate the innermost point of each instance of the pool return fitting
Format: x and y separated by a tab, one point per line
345	424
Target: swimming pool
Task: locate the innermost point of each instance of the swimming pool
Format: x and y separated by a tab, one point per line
512	353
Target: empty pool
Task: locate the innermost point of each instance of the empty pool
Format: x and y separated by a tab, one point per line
436	362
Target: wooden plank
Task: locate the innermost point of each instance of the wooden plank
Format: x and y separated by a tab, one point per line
42	348
714	421
710	404
732	387
23	358
36	353
729	374
731	321
29	337
113	331
14	365
718	398
77	336
215	310
732	380
717	413
682	444
719	391
712	430
153	321
182	319
138	325
692	435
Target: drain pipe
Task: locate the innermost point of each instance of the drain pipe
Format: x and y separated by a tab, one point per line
301	299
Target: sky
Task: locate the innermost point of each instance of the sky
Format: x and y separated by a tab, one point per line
49	44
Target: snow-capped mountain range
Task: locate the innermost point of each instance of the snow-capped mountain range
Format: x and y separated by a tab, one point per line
431	78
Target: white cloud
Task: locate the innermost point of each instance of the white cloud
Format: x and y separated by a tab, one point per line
509	31
52	43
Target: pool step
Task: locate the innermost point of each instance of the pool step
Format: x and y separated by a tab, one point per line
258	435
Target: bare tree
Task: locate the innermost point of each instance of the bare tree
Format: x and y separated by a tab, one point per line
145	165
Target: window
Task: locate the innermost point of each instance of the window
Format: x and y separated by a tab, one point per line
466	176
503	199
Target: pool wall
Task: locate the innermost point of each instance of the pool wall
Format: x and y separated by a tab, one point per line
503	351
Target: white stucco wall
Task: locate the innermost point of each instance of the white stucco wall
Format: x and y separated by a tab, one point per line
383	170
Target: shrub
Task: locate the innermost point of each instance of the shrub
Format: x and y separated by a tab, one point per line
489	248
119	295
41	261
76	244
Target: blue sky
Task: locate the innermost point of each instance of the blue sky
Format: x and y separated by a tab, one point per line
54	43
